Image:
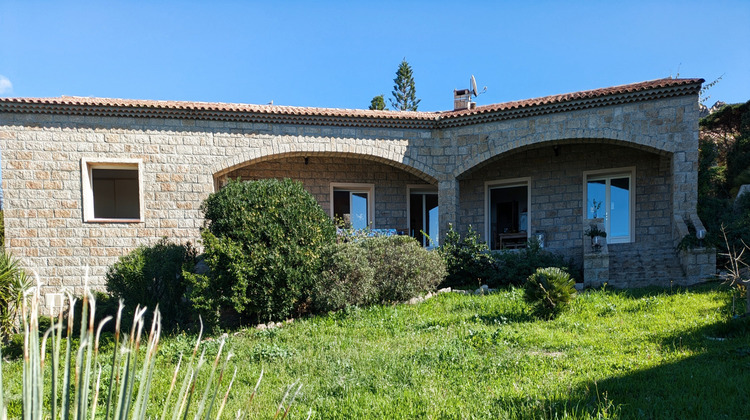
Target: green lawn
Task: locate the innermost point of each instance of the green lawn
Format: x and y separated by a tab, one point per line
621	354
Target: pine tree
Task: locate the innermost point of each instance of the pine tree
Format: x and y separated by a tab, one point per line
377	103
404	93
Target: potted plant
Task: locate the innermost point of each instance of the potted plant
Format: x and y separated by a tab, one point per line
595	234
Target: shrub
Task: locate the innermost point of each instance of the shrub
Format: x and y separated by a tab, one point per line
152	275
376	270
2	229
13	282
468	260
549	290
514	267
347	280
403	269
263	245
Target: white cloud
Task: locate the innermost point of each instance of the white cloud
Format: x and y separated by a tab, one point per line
5	85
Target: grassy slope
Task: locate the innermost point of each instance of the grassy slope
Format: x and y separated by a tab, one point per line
646	353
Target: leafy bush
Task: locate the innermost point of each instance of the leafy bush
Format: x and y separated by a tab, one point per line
12	284
2	229
549	290
376	270
348	279
152	275
723	166
403	269
468	260
263	245
514	267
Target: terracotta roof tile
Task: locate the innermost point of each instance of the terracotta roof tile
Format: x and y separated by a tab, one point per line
218	106
74	104
586	94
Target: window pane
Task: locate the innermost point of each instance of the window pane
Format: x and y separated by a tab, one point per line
341	209
596	194
619	207
432	230
431	207
359	210
416	218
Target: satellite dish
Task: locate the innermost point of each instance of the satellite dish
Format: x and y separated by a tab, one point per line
474	87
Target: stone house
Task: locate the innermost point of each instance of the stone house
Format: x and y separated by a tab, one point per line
88	179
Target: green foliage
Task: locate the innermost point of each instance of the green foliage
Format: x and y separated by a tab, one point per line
723	166
152	275
377	103
347	280
83	379
514	267
263	245
593	231
2	229
404	93
376	270
13	282
549	290
724	163
403	269
468	260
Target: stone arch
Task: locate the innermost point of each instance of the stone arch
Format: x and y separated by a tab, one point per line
497	152
406	164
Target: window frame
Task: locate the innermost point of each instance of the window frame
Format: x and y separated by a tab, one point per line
421	189
87	166
356	188
505	183
608	175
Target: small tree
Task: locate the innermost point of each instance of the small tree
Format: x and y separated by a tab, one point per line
404	93
263	244
377	103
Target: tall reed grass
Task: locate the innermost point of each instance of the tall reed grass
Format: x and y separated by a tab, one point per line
64	380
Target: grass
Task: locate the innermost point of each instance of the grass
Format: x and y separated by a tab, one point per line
645	353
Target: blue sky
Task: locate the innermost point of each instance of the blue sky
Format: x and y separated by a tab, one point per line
341	54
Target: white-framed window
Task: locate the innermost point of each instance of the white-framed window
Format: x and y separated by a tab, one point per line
610	194
353	204
112	190
507	217
423	216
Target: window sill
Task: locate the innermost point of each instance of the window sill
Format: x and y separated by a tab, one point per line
113	221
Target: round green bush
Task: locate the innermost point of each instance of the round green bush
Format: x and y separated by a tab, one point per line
152	275
263	245
403	269
347	280
549	290
376	270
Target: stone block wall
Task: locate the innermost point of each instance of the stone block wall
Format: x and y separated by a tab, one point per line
41	164
184	157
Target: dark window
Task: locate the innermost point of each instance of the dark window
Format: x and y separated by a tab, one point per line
423	208
116	194
508	217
